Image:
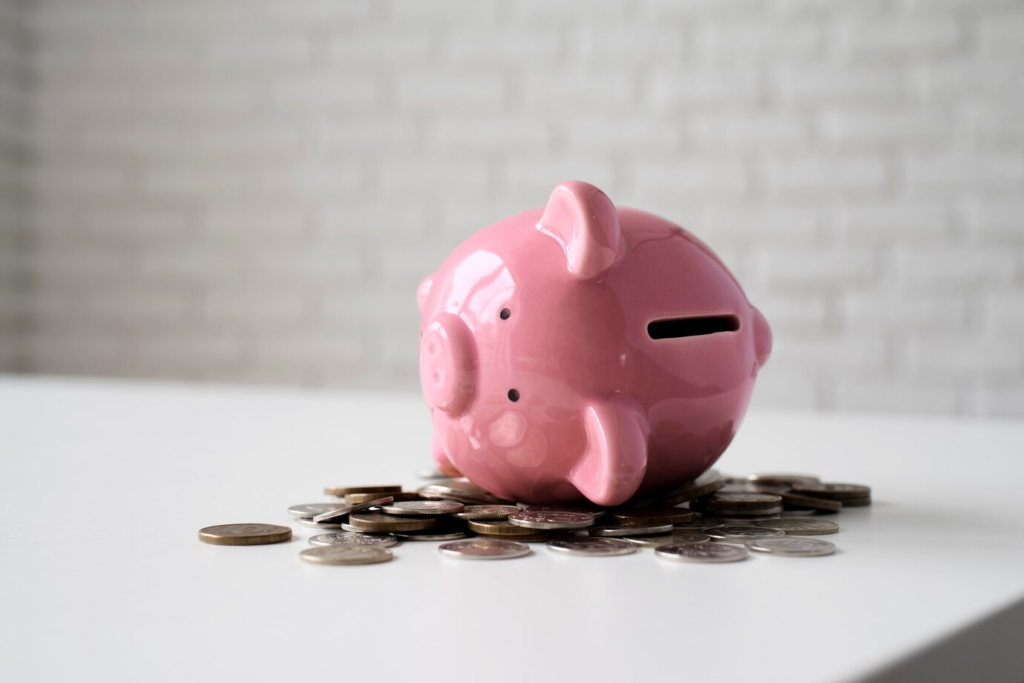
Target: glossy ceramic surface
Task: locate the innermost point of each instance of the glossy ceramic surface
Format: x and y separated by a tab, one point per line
545	377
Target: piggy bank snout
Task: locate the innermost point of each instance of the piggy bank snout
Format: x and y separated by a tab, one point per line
448	364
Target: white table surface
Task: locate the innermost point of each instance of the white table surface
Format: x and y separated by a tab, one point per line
104	486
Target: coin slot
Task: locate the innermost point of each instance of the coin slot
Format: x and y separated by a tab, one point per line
675	328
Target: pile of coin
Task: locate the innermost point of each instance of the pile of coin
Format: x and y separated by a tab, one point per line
711	519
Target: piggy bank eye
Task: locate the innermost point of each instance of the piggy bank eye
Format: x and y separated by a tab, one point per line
505	313
513	395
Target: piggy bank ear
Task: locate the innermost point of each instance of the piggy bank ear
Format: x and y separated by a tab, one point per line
583	220
424	291
762	338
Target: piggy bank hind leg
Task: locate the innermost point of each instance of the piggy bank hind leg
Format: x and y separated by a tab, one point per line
441	458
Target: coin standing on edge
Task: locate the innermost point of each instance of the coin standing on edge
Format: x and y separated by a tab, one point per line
594	547
484	549
701	552
788	546
244	534
345	554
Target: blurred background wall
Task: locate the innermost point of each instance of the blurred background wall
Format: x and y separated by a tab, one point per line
238	190
14	139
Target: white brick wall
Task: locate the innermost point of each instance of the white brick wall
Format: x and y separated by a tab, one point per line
250	190
14	103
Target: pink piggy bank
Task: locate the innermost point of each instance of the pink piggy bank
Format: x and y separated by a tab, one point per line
584	351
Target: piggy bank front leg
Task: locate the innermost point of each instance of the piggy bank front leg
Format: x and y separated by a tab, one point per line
613	466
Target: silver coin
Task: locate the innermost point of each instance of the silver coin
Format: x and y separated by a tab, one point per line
311	510
353	538
484	512
320	525
453	536
795	526
744	486
461	490
790	546
679	537
698	524
424	507
355	507
345	554
746	514
740	533
603	547
728	520
533	519
833	491
701	552
742	501
639	530
430	473
484	549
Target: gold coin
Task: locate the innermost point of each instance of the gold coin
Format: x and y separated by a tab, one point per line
360	498
346	490
405	496
244	534
378	522
527	538
499	527
795	500
705	484
645	516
